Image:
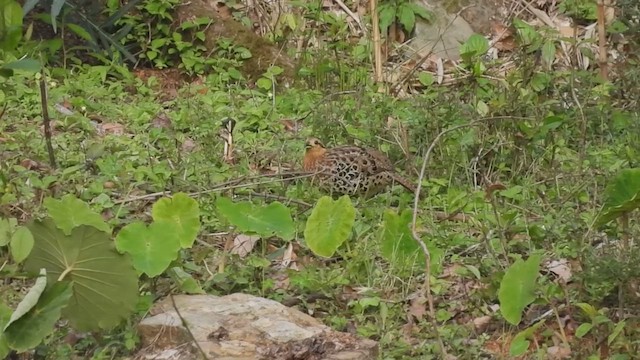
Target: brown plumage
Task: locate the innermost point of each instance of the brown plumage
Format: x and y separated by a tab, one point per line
351	170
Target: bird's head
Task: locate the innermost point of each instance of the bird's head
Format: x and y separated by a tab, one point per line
313	143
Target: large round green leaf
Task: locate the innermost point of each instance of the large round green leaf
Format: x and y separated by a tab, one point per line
105	289
31	328
70	212
152	248
622	195
329	225
183	212
273	219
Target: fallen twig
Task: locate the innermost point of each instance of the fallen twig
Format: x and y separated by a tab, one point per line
233	184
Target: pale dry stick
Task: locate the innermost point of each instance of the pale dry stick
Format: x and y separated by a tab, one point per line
414	232
377	51
346	9
224	186
602	42
423	246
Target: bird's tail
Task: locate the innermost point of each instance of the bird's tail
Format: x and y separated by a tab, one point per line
405	183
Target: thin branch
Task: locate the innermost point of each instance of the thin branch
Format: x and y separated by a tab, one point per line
282	198
233	184
423	246
377	51
46	121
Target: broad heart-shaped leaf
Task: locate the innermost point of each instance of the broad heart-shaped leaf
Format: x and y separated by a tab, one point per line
622	195
31	299
273	219
329	225
517	288
398	245
70	212
105	289
21	244
5	314
29	331
7	227
183	212
152	248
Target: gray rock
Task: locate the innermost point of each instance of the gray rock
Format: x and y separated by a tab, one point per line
241	326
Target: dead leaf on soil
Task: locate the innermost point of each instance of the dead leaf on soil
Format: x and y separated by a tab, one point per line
481	323
243	244
561	268
110	129
418	307
559	352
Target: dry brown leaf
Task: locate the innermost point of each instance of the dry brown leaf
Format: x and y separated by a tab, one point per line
481	323
418	307
561	268
491	188
161	121
559	352
188	145
243	244
111	129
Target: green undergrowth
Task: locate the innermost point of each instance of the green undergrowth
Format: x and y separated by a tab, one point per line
528	179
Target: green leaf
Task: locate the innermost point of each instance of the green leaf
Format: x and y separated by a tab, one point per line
30	300
588	309
386	14
549	52
528	34
5	315
11	15
273	219
264	83
28	5
517	288
482	108
406	16
186	282
520	343
181	211
152	248
622	196
7	227
583	330
21	244
421	12
476	45
274	70
26	64
616	331
80	31
105	287
29	331
56	7
71	212
398	245
329	225
426	78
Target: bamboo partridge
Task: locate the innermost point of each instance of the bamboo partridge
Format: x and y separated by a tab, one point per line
351	170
